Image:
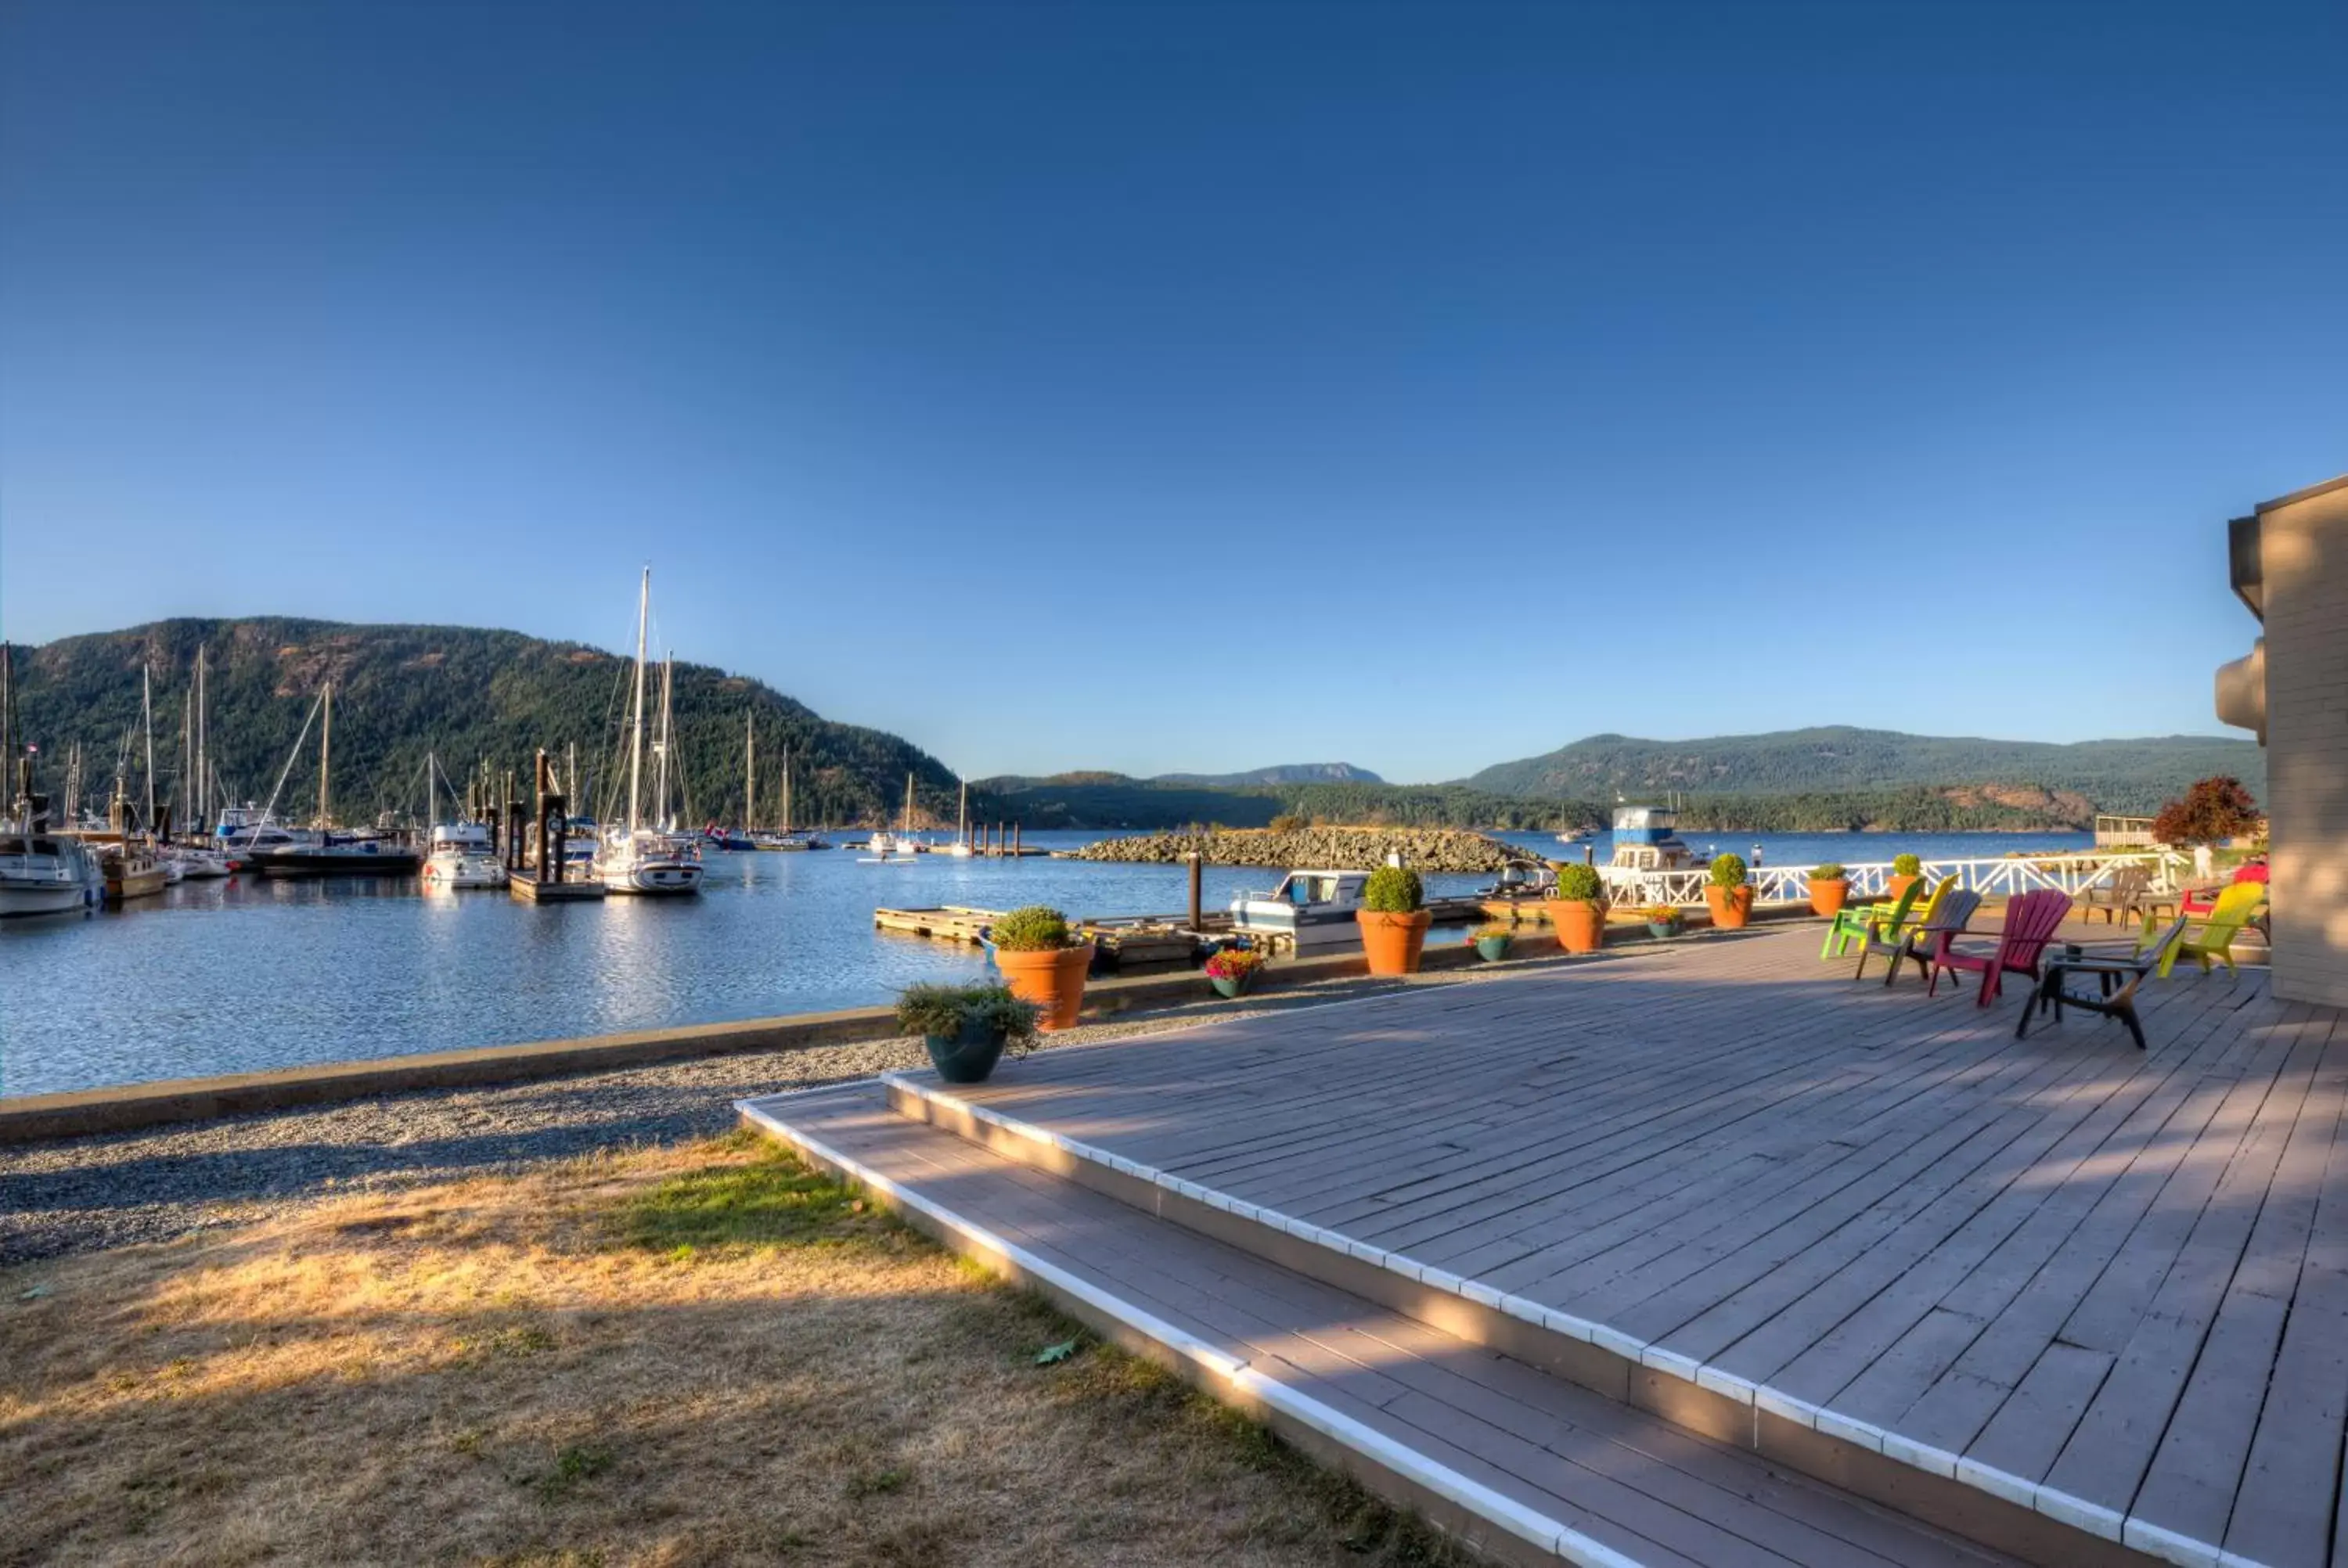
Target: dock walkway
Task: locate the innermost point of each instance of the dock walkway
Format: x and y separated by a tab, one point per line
2078	1302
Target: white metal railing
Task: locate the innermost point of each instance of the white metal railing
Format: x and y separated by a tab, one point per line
2002	877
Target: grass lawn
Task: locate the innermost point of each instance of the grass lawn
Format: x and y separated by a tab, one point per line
684	1356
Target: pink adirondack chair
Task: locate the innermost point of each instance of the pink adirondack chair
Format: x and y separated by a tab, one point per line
2031	922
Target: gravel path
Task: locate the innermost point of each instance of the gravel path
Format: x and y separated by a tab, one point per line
80	1195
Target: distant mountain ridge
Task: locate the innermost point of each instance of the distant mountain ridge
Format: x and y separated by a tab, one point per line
1282	774
2122	775
463	692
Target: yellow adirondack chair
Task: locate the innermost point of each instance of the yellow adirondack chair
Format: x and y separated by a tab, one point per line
2214	942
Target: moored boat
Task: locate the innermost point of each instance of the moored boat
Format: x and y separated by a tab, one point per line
640	858
463	855
1309	909
331	853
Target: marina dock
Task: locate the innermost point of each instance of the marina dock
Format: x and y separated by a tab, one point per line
528	889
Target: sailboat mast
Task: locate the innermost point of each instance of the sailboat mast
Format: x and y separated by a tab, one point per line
636	724
961	815
787	789
203	801
325	755
750	771
659	799
909	802
147	717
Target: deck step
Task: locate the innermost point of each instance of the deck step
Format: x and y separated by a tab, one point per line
1528	1467
1643	1380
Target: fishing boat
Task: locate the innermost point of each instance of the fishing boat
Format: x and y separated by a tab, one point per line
463	855
45	873
328	851
42	872
130	871
1309	909
641	858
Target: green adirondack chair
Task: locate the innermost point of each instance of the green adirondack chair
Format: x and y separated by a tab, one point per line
1858	922
2213	944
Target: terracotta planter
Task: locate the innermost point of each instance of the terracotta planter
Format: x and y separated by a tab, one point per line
1895	885
1393	942
1827	897
1731	906
1053	980
1580	923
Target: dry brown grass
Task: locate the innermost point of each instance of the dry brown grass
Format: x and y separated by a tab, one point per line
699	1355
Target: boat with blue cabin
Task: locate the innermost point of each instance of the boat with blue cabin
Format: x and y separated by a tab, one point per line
1309	909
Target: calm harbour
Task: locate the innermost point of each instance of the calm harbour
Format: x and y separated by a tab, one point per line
254	973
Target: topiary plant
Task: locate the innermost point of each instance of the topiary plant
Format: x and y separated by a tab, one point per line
945	1010
1907	866
1832	871
1580	885
1729	871
1036	928
1392	890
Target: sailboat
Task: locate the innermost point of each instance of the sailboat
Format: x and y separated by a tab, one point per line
961	847
194	861
901	849
462	853
787	838
640	858
330	851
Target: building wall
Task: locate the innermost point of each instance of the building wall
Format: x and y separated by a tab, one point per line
2303	555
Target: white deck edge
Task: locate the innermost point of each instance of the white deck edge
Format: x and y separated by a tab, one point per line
2091	1517
1479	1499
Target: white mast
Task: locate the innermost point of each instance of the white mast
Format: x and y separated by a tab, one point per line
787	789
325	754
147	715
909	802
961	815
750	771
636	724
660	800
203	801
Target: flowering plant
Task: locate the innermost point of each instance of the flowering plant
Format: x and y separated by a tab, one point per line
1486	933
1233	964
1661	915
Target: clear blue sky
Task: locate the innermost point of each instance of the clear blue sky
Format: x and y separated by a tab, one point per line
1197	387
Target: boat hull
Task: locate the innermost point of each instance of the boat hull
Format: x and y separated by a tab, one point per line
124	886
326	863
657	881
41	898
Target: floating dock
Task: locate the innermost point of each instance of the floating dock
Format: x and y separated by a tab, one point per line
531	890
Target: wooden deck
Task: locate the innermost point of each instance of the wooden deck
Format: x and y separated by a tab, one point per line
2111	1285
1545	1471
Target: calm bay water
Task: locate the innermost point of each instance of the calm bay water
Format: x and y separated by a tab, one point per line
250	974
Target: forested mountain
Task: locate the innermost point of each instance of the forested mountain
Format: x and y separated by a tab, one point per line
1283	774
2122	775
464	693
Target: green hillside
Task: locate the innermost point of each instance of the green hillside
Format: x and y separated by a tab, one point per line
459	691
2120	776
1114	801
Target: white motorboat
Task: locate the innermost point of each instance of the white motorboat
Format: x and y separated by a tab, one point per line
1646	838
1310	908
640	858
44	872
194	864
463	855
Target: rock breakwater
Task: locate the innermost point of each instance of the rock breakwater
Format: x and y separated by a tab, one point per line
1332	848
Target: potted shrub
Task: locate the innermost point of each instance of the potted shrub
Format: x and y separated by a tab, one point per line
966	1027
1905	870
1394	926
1492	943
1578	910
1231	971
1042	963
1728	894
1829	888
1663	920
